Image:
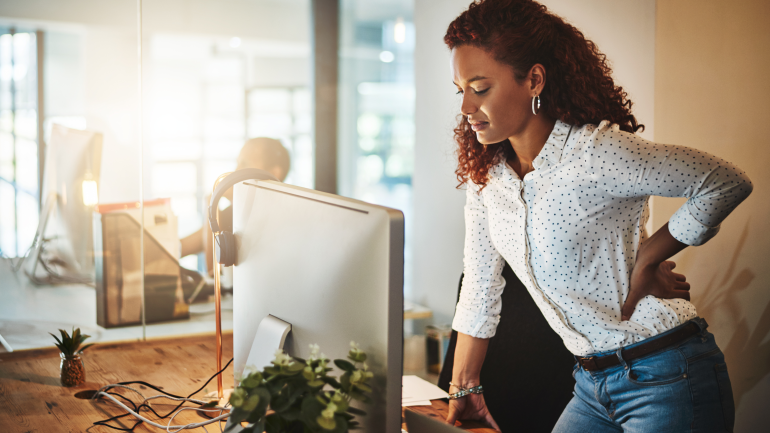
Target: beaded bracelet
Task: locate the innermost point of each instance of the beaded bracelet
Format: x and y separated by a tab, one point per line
465	391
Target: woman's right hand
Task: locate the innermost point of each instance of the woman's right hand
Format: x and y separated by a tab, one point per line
466	370
471	407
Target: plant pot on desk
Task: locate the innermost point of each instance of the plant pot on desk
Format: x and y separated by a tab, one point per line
73	372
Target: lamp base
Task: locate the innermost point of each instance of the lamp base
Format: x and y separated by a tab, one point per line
212	396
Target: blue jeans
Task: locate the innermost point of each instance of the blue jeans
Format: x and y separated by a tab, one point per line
682	388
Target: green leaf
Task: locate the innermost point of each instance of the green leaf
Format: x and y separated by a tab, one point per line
236	416
342	424
290	372
258	427
57	340
280	403
308	375
356	395
85	347
292	414
312	405
251	403
237	397
357	357
331	381
326	423
344	365
250	382
273	424
356	411
315	383
256	415
296	367
363	387
264	398
345	382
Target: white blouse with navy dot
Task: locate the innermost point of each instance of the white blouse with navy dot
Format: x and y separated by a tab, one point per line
572	228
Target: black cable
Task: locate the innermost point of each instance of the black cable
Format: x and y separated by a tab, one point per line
137	409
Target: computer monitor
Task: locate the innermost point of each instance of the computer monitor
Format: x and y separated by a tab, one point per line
333	268
62	251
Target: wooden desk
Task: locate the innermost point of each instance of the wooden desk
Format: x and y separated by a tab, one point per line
33	400
440	410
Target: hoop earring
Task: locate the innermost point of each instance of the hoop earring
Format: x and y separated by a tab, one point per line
533	104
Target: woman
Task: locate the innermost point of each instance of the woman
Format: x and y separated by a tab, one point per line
557	186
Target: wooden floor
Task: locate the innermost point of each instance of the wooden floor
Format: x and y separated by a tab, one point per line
33	400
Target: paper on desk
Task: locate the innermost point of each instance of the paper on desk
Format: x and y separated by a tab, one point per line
416	390
416	403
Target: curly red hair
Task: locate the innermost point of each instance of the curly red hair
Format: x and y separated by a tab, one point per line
522	33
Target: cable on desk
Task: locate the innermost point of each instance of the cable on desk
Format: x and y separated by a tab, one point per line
168	427
146	405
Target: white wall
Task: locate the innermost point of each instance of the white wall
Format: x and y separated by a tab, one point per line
438	206
625	31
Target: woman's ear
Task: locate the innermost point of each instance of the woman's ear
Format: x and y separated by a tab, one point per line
536	78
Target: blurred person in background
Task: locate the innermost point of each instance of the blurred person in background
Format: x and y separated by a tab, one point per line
262	153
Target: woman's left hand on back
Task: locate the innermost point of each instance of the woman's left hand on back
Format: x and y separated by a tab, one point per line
657	280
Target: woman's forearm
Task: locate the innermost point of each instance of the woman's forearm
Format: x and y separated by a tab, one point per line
652	273
469	357
660	247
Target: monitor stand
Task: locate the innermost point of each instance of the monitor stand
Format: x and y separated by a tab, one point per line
271	336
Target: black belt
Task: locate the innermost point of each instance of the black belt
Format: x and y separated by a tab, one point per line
593	363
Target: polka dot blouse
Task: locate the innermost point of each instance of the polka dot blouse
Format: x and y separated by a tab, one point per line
571	230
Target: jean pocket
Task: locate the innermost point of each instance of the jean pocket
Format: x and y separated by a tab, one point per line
726	393
661	369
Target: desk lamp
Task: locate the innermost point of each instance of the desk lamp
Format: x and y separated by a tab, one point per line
225	253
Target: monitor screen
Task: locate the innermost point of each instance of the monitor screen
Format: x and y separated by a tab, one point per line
333	268
64	239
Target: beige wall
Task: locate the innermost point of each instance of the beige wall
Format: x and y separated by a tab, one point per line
712	92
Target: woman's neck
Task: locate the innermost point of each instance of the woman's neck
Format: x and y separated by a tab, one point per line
528	144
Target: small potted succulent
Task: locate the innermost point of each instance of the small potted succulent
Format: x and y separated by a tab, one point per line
298	396
72	370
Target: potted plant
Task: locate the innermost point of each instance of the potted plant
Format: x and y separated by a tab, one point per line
72	370
297	395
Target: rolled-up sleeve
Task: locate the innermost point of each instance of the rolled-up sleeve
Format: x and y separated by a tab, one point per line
478	310
627	165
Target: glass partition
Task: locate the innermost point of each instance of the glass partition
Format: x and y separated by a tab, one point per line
376	108
69	145
102	216
223	88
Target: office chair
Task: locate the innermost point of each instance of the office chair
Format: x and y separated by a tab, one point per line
527	373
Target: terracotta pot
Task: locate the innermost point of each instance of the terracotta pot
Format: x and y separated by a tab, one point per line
72	370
